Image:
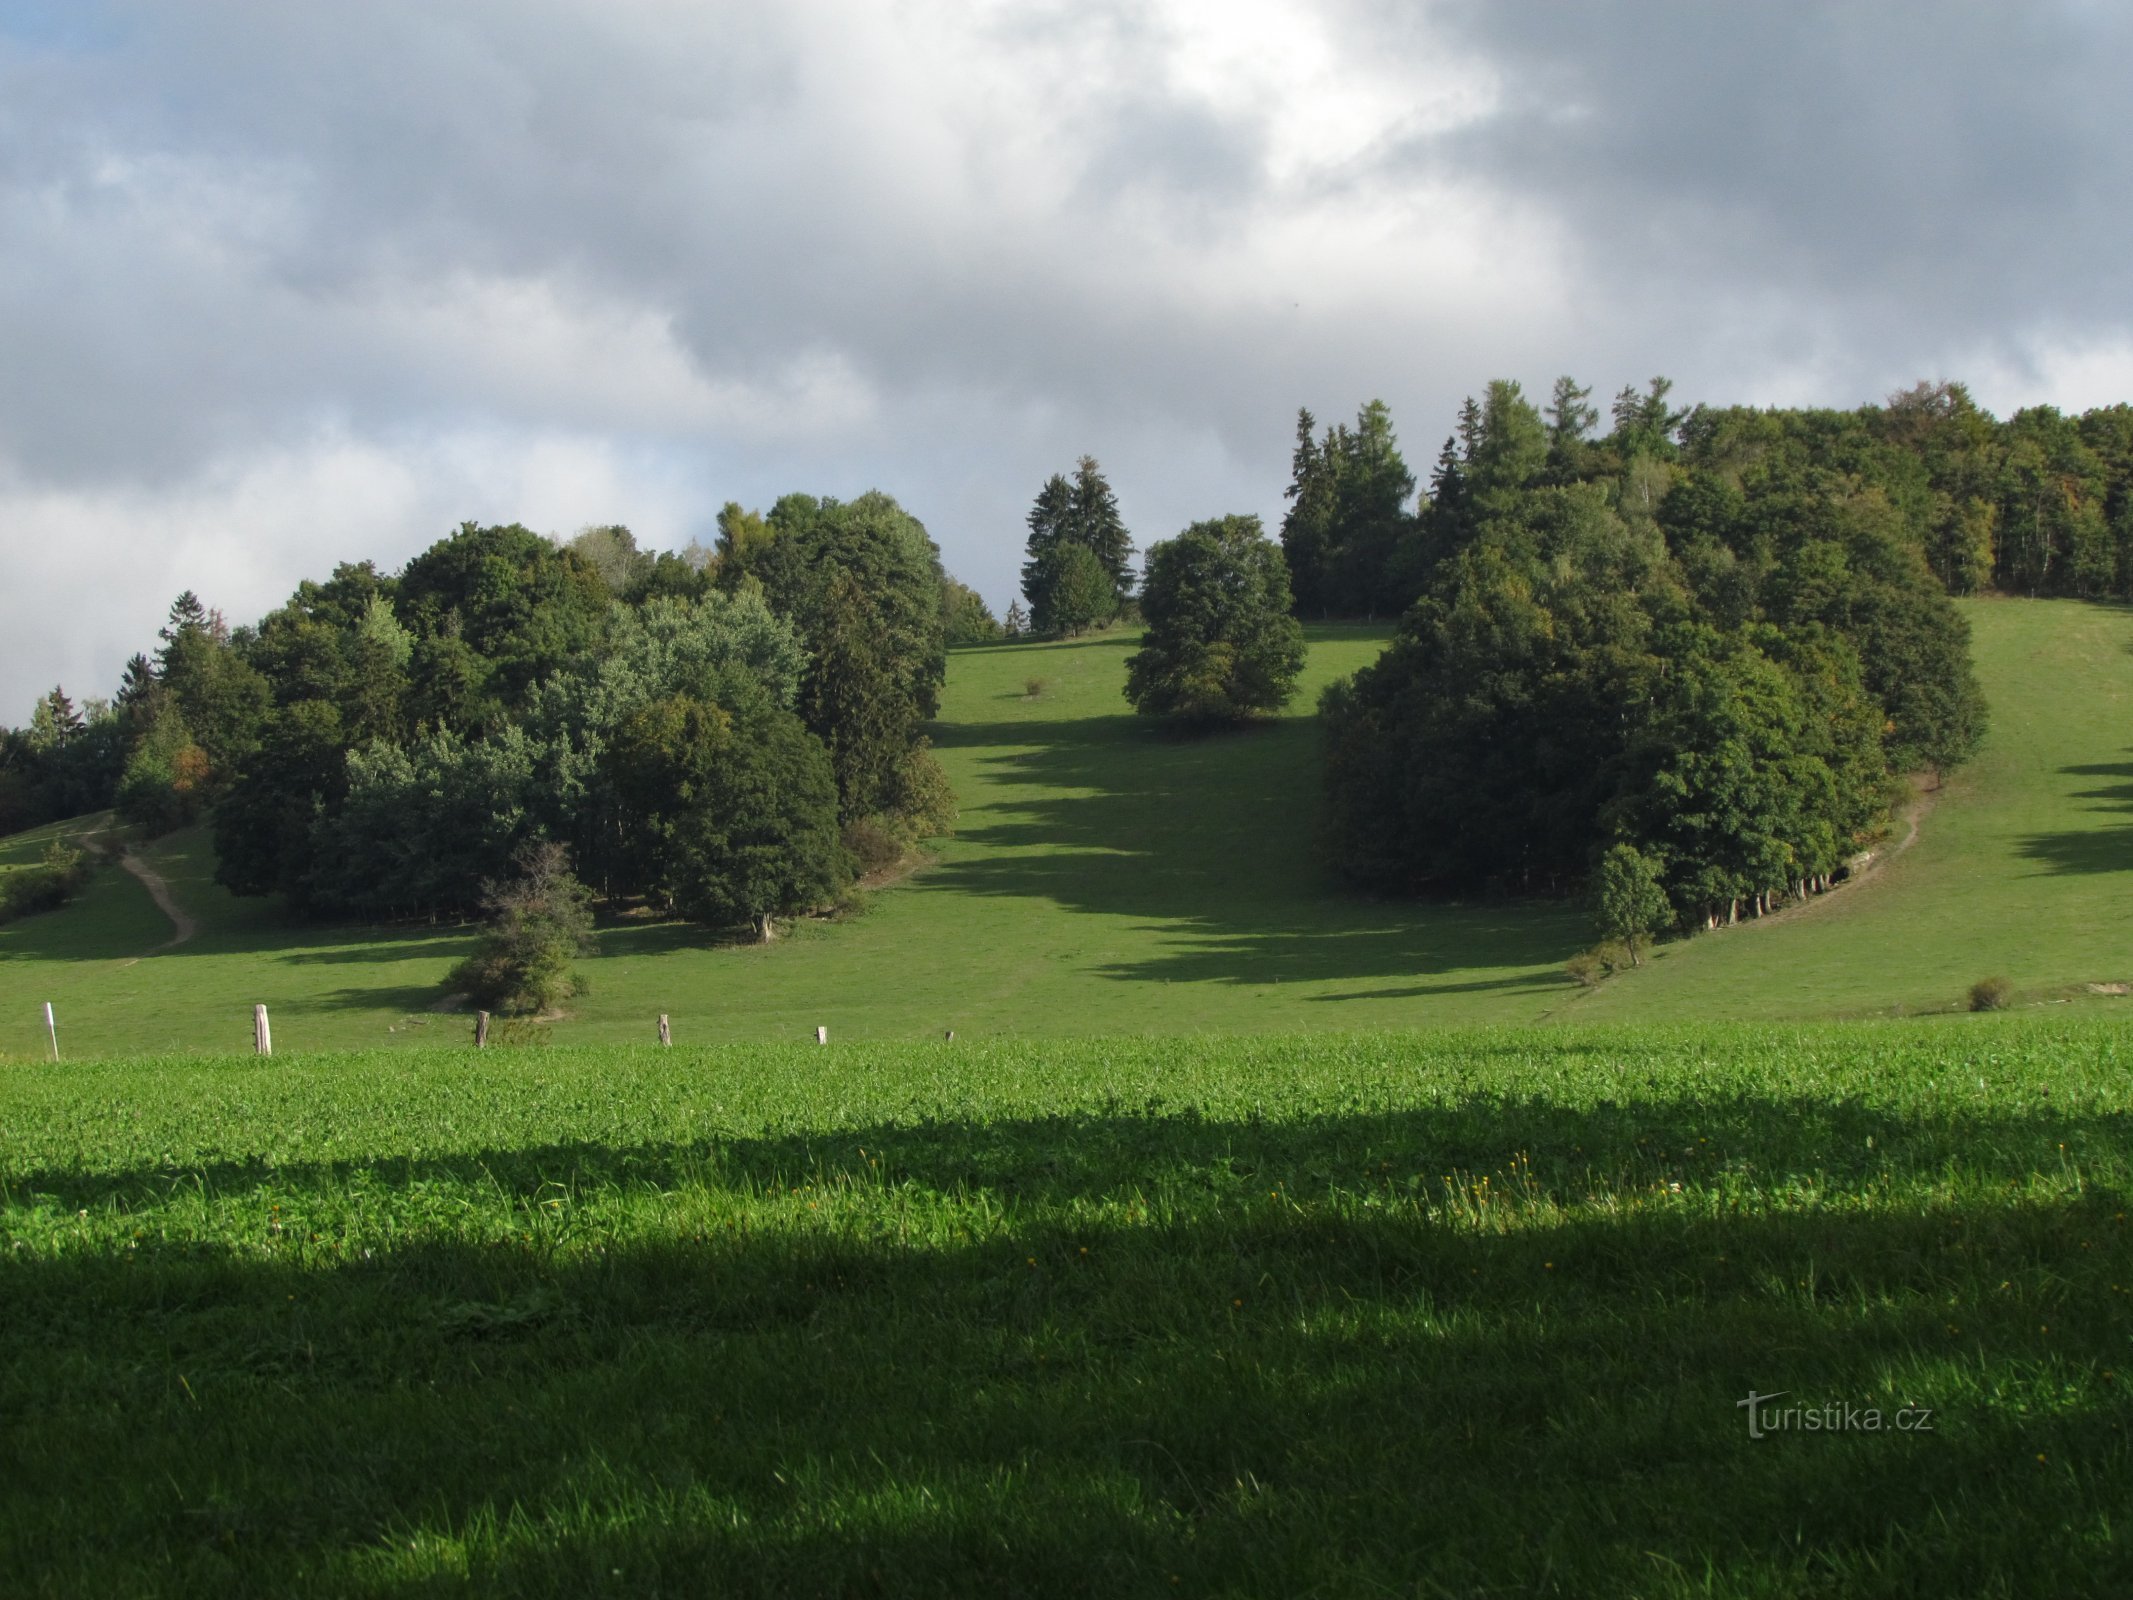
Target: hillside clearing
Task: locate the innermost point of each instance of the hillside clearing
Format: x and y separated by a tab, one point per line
1109	879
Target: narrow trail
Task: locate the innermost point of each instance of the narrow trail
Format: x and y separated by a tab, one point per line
159	892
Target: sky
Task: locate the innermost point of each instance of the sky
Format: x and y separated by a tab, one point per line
283	286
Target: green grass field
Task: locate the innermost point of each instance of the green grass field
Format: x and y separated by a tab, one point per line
1451	1313
1232	1248
1109	879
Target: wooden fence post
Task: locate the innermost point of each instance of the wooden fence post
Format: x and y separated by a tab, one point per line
51	1027
666	1034
481	1030
262	1035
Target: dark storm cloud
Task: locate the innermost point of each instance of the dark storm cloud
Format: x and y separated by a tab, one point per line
1905	173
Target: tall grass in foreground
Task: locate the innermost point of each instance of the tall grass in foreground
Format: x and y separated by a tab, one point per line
1455	1313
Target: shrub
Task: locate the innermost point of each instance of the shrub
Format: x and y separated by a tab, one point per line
539	922
1991	994
1603	960
46	886
1035	688
875	842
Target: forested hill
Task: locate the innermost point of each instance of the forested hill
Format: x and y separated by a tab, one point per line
1690	660
727	734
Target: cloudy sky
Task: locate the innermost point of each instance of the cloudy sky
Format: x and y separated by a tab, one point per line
283	285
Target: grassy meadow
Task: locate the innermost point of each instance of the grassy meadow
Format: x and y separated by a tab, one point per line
1252	1237
1109	879
1467	1312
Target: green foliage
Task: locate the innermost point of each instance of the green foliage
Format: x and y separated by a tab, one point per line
166	776
731	817
1717	664
1079	593
1221	646
1347	533
965	617
429	827
611	551
57	877
1069	592
540	921
1629	898
862	581
521	607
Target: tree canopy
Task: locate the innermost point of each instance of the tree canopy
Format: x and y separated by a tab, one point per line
1658	643
1221	646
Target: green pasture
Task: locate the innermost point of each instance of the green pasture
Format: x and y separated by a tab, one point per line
1109	878
1463	1312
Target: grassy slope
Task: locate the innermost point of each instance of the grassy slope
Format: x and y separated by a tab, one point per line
1107	879
1464	1312
2021	868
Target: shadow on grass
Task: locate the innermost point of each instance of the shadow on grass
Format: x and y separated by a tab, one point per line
1091	1354
1212	842
2106	848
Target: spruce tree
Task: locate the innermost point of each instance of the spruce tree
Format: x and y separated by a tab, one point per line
1307	527
1093	520
1048	521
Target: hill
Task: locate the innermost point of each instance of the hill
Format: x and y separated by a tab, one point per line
1107	878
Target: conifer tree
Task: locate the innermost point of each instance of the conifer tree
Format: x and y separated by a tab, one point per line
1093	520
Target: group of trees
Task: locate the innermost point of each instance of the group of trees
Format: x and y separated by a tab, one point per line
2041	503
1695	660
1077	571
710	731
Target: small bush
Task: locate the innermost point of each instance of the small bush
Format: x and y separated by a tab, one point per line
1991	994
1603	960
875	842
1035	688
45	887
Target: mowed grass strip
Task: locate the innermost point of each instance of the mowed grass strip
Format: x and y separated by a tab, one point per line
1448	1313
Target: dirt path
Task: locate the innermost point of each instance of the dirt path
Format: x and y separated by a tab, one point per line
159	892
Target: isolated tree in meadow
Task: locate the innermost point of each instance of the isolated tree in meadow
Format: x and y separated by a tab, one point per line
1081	512
1629	898
1221	646
540	920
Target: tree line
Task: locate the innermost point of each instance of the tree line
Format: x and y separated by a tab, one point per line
1683	662
729	733
2038	504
